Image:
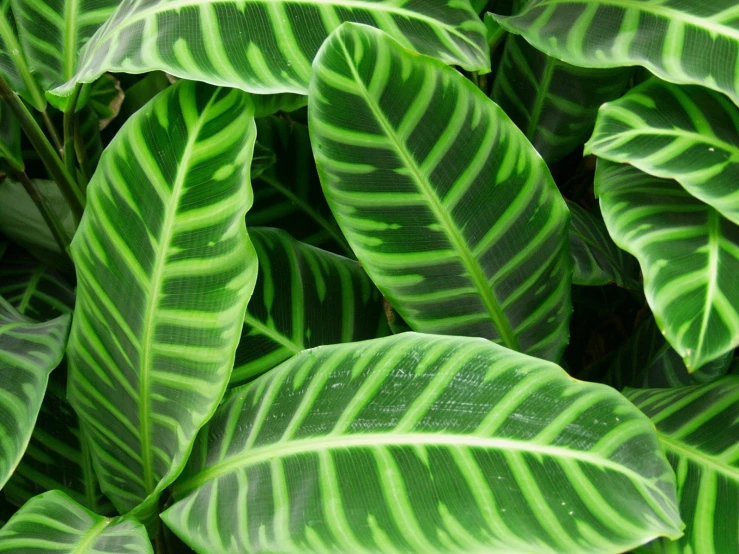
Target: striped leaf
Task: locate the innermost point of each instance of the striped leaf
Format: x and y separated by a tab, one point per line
596	260
13	63
10	138
452	213
289	195
373	447
686	133
646	360
698	428
53	522
267	46
268	104
164	269
58	456
553	103
304	297
681	41
28	353
689	256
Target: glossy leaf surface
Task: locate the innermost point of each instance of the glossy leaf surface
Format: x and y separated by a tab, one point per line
698	428
452	213
686	133
689	256
304	297
165	269
53	522
372	447
267	46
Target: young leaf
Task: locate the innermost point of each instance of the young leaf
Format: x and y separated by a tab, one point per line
689	256
553	103
165	269
698	428
596	260
53	522
267	46
452	213
304	297
685	133
375	447
681	41
28	353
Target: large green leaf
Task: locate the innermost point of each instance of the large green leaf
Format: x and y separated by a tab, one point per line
689	256
13	64
53	31
596	259
53	522
29	351
686	133
452	213
681	41
165	269
553	103
288	195
375	447
698	427
10	138
267	46
304	297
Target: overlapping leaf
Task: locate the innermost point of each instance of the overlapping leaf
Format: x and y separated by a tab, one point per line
165	269
10	138
53	522
689	256
304	297
373	447
29	351
681	41
13	64
268	104
686	133
698	428
452	213
553	103
267	46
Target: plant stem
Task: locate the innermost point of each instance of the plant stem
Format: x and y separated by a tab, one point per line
52	131
81	151
45	150
69	113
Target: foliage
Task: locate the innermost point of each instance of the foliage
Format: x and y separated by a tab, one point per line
382	276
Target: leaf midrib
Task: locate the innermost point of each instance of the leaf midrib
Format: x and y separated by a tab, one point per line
484	288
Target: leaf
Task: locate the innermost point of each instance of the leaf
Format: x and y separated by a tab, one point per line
553	103
646	360
165	269
689	256
262	159
304	297
685	133
268	104
267	46
596	259
13	64
10	136
57	457
698	427
106	98
28	353
288	195
53	31
447	206
375	447
54	522
681	41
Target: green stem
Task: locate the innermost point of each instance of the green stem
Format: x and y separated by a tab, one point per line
45	150
69	113
81	151
52	131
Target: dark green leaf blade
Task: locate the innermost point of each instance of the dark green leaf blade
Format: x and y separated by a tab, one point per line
373	447
450	210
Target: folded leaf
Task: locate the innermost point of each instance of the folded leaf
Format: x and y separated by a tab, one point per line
28	353
685	133
689	256
698	429
450	210
304	297
53	522
165	269
267	46
681	41
374	447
